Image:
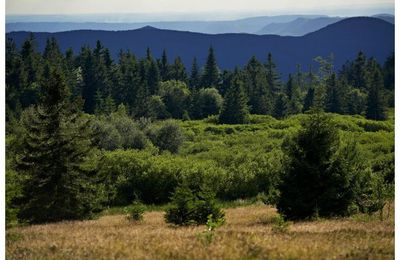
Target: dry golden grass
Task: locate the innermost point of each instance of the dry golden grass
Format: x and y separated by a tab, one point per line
247	234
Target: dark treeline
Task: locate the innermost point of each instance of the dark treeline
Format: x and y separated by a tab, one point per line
159	88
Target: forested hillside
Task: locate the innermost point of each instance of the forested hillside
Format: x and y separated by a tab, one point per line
86	132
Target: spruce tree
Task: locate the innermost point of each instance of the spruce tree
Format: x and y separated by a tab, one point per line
194	80
56	143
334	95
294	105
359	72
280	106
210	77
235	109
153	77
178	71
321	176
273	78
309	99
375	102
257	87
164	67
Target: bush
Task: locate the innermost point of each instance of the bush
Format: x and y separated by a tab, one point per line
167	137
118	130
136	211
280	224
193	207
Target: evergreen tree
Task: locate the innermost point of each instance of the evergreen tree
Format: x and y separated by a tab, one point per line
280	106
322	178
294	105
56	143
164	67
257	87
309	100
153	78
273	78
375	102
31	70
356	102
52	52
178	71
334	95
388	76
210	77
127	81
15	80
388	72
235	109
89	88
194	81
358	76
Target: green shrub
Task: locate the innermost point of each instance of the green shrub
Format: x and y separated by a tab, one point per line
280	224
136	211
167	137
374	126
193	207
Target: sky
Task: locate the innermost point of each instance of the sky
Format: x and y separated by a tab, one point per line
197	9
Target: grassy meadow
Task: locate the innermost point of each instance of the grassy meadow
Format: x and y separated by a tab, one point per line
250	232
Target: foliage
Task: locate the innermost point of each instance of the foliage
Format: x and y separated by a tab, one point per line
208	235
235	109
323	177
175	96
136	211
54	148
280	224
167	136
210	77
209	102
193	206
118	130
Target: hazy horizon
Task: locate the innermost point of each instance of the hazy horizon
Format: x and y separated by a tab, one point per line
177	10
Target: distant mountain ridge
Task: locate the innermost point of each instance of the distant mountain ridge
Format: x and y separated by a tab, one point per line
291	25
245	25
298	27
344	39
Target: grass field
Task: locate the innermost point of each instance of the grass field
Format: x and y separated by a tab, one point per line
250	232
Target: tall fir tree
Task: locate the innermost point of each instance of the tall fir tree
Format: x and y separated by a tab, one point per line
235	109
294	104
358	76
322	176
334	95
194	81
56	186
273	78
256	86
280	106
164	67
309	99
153	77
178	71
210	76
375	101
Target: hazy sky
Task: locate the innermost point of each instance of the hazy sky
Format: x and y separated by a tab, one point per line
223	7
